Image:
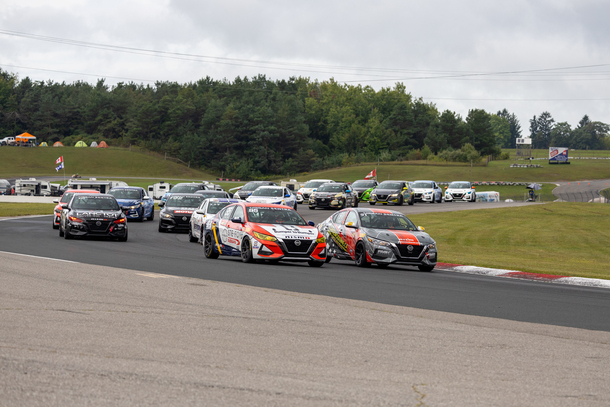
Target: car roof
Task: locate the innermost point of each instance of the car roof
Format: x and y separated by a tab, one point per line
185	194
230	200
270	186
83	191
376	210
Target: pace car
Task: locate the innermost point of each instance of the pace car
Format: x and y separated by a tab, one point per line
378	236
363	188
93	215
176	213
333	195
247	189
263	232
304	193
394	192
185	188
460	191
135	201
207	209
427	191
273	195
64	199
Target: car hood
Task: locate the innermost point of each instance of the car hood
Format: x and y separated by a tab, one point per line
399	236
290	232
422	190
306	190
385	191
128	202
264	199
459	190
97	215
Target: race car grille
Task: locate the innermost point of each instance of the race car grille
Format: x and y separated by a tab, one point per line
414	253
382	197
457	195
180	221
417	195
95	228
302	247
305	196
323	202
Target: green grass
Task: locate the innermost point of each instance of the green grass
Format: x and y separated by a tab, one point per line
569	239
24	209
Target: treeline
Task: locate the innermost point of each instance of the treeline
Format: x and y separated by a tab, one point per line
253	126
545	132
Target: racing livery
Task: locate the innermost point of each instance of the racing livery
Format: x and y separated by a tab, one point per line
304	193
460	191
65	198
247	189
394	192
93	215
208	208
427	191
378	236
135	201
333	195
177	211
263	231
363	188
273	195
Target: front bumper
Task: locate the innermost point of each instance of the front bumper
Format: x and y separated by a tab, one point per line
421	197
327	203
136	213
449	197
385	199
109	229
422	255
175	224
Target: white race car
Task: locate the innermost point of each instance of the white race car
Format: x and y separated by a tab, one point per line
208	208
304	193
460	191
427	191
273	195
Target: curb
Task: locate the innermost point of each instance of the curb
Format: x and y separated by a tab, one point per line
546	278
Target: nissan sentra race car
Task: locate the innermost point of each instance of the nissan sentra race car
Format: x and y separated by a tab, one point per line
207	209
333	195
427	191
273	195
378	236
304	193
394	192
136	202
460	191
176	213
65	198
263	232
93	215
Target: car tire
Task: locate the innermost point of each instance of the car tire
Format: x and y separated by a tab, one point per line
192	238
123	238
425	268
401	201
372	203
152	214
208	247
360	256
161	230
314	263
246	251
382	265
411	200
67	234
312	208
61	231
55	226
328	259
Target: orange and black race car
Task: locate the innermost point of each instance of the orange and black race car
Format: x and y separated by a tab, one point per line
257	231
378	236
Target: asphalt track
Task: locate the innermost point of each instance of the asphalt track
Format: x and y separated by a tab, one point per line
171	254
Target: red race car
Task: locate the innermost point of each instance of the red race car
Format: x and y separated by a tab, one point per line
257	231
65	198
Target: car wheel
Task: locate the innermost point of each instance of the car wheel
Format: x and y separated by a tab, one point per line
55	226
328	259
372	203
61	231
152	214
360	256
123	238
161	230
426	268
246	250
208	247
401	200
382	265
67	234
313	263
312	207
412	200
192	238
355	205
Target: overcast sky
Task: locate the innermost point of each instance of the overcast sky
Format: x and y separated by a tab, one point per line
525	56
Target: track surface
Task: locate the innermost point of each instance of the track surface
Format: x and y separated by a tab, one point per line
148	250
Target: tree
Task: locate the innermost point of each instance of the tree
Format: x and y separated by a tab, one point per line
501	130
481	132
515	126
541	129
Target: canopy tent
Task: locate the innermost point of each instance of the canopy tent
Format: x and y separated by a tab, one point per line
44	144
102	145
93	144
25	138
80	144
58	144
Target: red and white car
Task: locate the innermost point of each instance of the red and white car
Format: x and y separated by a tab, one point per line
64	199
257	231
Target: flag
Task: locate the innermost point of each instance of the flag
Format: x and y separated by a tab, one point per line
372	174
59	160
59	167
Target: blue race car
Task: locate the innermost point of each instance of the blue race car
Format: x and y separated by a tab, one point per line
135	202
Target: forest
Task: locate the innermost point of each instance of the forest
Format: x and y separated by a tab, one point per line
255	126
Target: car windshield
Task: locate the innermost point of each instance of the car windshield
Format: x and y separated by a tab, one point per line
330	188
423	185
363	184
390	185
251	186
185	189
215	207
268	192
313	184
212	194
65	198
386	221
182	201
284	216
459	185
95	203
125	193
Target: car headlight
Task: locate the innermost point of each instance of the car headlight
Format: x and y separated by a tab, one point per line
373	195
263	236
321	240
378	242
167	215
394	196
432	246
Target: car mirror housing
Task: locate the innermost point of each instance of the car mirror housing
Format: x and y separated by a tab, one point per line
237	220
64	206
311	223
161	204
287	196
199	212
421	228
146	198
351	225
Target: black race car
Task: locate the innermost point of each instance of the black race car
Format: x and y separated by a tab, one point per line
93	215
394	192
176	213
333	195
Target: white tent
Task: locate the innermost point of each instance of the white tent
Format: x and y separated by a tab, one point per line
93	144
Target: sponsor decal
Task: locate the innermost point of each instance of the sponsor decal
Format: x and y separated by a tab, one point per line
291	232
183	211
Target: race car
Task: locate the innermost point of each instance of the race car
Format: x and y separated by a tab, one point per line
394	192
97	215
263	232
246	190
273	195
176	213
207	209
363	188
186	188
136	202
304	193
378	236
333	195
427	191
460	191
64	199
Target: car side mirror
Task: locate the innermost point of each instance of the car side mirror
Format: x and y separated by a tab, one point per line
472	187
237	220
199	212
350	225
348	191
287	196
161	204
146	198
55	201
421	228
64	206
311	223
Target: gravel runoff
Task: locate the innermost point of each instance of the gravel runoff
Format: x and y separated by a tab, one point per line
75	334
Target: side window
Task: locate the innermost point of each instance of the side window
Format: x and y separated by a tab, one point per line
339	217
204	206
352	218
239	213
226	213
